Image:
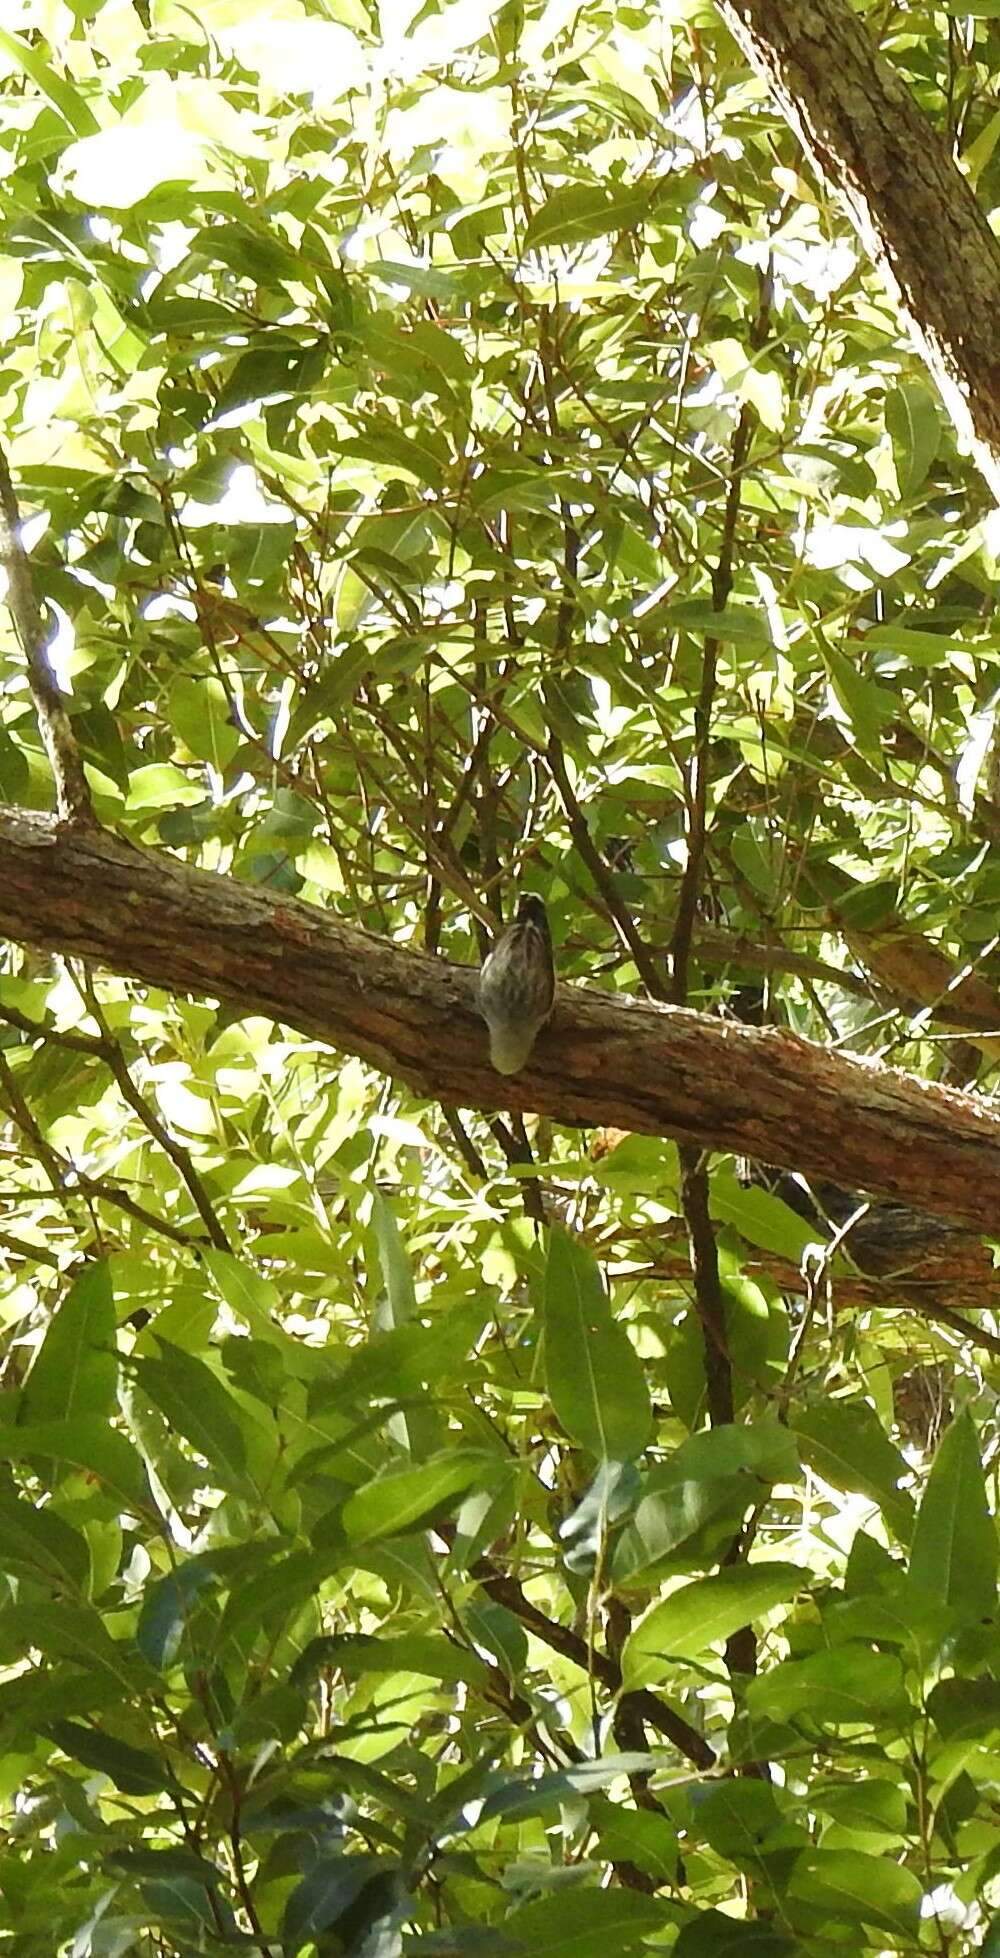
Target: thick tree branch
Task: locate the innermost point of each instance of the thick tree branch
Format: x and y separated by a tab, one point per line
915	213
759	1092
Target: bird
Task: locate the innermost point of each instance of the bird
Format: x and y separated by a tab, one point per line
517	986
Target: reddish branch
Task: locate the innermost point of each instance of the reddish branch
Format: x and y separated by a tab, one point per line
602	1062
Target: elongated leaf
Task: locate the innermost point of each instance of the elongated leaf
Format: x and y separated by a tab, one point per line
410	1498
132	1769
202	716
356	1653
197	1404
60	92
594	1375
846	1443
75	1632
913	423
516	1796
849	1887
325	1893
76	1370
704	1613
41	1542
397	1278
419	1428
954	1552
86	1444
166	1607
584	211
850	1685
586	1923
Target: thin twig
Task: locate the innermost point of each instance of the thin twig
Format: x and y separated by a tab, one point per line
105	1048
67	1181
579	830
113	1058
506	1590
73	803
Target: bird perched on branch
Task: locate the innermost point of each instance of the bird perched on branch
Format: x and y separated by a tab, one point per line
517	986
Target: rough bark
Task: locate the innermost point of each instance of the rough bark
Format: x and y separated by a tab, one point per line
914	212
655	1070
939	1274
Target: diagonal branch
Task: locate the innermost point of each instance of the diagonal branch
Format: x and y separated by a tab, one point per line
601	1062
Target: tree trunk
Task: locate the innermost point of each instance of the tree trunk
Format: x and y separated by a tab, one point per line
914	211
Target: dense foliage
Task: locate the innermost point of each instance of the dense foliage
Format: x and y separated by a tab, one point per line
446	436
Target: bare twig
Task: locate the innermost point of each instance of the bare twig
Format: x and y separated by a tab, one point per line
113	1058
579	829
73	802
66	1180
506	1590
106	1049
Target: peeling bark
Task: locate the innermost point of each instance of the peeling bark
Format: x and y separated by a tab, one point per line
601	1061
915	214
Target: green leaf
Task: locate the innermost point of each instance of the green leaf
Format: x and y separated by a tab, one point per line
409	1499
586	1923
736	1818
76	1368
953	1557
419	1427
61	93
583	211
355	1653
922	648
78	1633
201	713
636	1835
867	1806
849	1887
42	1543
849	1685
867	707
966	1709
735	625
132	1769
705	1613
539	1795
167	1605
397	1278
845	1442
713	1934
328	1890
913	423
694	1503
595	1378
197	1404
88	1445
761	1218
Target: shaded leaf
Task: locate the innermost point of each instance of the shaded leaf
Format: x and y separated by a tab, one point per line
953	1556
595	1377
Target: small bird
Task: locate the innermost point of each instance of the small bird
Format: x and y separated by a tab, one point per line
517	986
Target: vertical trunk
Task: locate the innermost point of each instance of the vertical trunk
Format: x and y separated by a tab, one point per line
913	210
